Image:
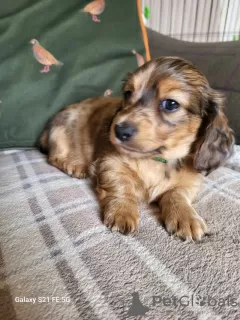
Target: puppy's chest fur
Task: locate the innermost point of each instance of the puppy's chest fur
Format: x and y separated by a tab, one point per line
150	178
157	177
153	178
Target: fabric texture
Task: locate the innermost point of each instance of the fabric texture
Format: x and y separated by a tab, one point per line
55	248
220	62
96	56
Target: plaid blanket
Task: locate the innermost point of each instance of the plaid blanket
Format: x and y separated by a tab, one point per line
57	260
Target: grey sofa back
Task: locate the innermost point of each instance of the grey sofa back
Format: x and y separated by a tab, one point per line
220	62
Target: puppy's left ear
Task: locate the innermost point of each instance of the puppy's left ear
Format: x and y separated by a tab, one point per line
215	139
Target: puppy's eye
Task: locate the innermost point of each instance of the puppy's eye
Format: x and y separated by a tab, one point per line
169	105
127	94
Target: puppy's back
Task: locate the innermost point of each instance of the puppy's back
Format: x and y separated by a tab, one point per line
80	122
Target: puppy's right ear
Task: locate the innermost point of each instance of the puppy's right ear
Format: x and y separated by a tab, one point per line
215	139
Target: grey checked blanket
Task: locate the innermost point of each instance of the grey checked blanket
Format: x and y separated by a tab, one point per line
57	260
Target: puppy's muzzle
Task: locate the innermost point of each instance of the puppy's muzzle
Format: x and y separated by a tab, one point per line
125	131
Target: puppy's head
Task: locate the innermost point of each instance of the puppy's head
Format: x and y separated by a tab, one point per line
169	110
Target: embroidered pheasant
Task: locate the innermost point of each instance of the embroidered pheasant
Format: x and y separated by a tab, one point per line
107	93
43	56
139	57
95	8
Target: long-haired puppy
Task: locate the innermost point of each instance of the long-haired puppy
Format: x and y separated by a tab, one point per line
155	144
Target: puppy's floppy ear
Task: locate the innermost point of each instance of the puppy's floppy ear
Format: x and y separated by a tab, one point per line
215	140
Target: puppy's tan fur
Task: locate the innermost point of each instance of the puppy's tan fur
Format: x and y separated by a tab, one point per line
195	139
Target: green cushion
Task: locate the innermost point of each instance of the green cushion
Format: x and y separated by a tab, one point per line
96	57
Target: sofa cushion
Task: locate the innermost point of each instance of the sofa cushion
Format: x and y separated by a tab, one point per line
53	244
95	57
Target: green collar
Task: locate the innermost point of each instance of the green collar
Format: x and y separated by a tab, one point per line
160	159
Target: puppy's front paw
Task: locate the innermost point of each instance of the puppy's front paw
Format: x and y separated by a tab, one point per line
121	220
186	225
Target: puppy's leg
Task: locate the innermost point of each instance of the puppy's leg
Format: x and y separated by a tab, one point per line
75	167
179	217
117	196
62	156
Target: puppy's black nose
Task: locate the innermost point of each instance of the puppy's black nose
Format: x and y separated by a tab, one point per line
124	131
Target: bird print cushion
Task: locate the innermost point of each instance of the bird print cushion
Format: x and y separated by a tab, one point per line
58	52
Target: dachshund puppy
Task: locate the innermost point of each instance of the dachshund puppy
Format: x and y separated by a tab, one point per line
153	144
